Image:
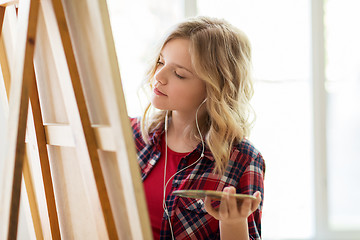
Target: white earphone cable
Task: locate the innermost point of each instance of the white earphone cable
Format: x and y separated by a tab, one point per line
166	144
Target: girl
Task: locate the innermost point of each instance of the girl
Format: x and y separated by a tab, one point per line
201	88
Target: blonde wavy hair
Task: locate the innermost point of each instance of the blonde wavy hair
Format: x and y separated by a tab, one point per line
221	57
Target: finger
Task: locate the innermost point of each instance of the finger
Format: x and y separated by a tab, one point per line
224	208
231	201
245	208
209	208
256	202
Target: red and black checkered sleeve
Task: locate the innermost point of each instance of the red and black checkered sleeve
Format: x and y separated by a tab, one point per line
252	180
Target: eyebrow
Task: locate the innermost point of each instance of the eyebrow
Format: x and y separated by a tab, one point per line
179	66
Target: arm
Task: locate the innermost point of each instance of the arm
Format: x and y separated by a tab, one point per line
232	215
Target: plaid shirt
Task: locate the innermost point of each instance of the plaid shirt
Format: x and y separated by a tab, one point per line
189	219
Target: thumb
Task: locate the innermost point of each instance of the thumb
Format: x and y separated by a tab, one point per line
257	201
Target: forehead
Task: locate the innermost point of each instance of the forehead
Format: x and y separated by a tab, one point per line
179	42
177	51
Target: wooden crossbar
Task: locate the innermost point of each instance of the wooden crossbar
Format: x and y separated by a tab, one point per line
6	3
61	135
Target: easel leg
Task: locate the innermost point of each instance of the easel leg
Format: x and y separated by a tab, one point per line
29	185
19	100
79	116
44	157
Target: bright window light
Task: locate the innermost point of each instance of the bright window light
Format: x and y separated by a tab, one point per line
343	130
138	26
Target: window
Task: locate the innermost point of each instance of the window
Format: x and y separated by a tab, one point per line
137	27
343	112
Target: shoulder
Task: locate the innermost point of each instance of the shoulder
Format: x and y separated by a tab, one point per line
246	157
246	151
135	124
153	137
245	147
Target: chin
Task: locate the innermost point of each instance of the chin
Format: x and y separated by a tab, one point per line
158	105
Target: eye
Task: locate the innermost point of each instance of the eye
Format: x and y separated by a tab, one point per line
159	65
159	62
177	75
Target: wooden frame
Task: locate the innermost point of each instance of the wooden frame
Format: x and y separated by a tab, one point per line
79	167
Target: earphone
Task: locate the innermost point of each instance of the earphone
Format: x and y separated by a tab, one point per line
201	156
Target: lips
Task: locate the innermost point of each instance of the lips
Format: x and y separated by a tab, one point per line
158	92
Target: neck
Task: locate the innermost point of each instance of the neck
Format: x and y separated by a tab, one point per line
180	125
180	132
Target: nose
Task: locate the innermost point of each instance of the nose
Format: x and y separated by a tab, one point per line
160	75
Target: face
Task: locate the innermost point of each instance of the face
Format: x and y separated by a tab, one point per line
176	86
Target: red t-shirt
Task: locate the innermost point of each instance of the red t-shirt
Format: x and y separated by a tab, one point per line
154	186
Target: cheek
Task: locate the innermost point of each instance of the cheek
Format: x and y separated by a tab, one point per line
182	91
189	95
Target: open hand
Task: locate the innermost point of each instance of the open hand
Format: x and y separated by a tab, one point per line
232	209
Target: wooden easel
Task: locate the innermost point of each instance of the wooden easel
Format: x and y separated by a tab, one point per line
81	170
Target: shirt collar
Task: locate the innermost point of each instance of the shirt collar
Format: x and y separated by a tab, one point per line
155	138
207	152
